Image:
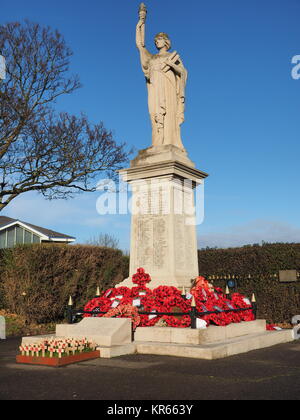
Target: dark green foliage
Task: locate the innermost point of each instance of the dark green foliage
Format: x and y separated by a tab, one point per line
49	274
256	268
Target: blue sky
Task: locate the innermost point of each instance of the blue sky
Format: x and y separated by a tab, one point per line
242	111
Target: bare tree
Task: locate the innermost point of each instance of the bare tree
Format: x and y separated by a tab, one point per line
104	239
40	150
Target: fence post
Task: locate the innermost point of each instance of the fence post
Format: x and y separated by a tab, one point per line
254	305
70	311
98	292
193	314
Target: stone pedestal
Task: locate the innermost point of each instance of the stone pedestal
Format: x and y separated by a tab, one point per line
209	344
163	230
106	332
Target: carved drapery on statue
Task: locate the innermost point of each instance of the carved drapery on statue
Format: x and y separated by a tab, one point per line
166	96
166	80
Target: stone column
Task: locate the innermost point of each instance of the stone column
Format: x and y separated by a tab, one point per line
163	229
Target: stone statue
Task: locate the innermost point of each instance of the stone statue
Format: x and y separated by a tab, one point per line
166	80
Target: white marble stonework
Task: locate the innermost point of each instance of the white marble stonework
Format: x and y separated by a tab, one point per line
163	230
102	331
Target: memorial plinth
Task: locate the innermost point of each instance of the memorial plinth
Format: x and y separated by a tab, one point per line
163	227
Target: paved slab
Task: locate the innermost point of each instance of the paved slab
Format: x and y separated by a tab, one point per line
272	373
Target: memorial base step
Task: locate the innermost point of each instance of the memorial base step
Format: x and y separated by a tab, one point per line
117	351
199	336
217	350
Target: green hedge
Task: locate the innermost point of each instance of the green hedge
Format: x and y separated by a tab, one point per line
48	274
256	268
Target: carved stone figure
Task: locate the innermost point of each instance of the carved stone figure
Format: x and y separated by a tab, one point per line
166	80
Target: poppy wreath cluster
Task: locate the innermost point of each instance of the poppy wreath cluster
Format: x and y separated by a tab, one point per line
141	278
126	302
210	299
273	327
125	311
178	304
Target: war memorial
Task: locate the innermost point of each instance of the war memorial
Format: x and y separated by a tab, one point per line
164	307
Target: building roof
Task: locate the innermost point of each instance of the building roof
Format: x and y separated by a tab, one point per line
49	234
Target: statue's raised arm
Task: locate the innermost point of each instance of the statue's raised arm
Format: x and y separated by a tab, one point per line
166	79
140	38
140	29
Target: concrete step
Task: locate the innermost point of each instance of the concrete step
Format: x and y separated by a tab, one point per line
211	334
117	351
217	350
